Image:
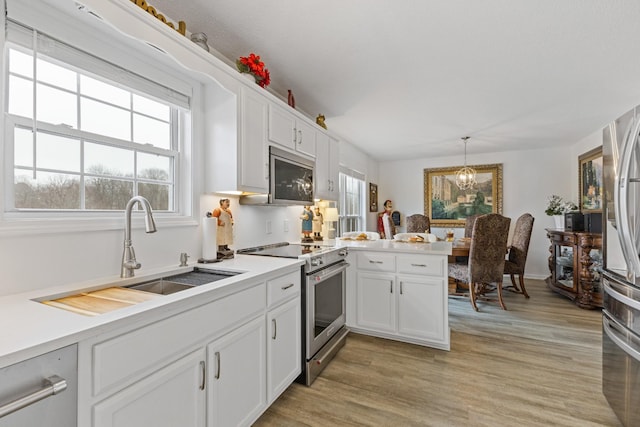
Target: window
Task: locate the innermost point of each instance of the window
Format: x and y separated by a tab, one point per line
84	134
352	201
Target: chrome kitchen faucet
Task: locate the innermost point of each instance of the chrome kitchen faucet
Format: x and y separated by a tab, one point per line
129	262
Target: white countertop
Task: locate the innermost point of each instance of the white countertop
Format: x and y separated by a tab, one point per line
382	245
30	328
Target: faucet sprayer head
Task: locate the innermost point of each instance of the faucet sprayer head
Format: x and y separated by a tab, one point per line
149	223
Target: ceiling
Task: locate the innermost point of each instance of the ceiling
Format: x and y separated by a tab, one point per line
408	79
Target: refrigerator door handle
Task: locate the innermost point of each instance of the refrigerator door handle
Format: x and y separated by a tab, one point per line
621	205
609	288
612	329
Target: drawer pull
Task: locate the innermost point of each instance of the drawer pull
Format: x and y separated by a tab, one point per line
287	286
374	262
400	288
418	265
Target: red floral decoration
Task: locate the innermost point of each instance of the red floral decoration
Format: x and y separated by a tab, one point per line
253	65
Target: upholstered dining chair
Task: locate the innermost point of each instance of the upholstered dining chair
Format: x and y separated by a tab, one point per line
517	258
418	223
484	272
468	225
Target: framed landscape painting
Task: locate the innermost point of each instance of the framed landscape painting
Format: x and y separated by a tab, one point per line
448	206
590	180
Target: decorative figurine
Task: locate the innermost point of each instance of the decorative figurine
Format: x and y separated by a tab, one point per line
224	237
307	225
320	121
317	224
386	227
291	100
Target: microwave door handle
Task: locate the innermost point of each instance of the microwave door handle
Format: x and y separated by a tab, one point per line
621	196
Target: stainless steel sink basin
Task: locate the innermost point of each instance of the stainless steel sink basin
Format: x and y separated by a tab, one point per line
162	287
201	276
180	282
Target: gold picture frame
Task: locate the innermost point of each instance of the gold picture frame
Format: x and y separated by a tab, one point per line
590	180
448	206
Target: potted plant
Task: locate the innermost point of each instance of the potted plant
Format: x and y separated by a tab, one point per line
253	66
557	207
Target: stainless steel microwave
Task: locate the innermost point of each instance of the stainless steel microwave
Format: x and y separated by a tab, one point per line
290	181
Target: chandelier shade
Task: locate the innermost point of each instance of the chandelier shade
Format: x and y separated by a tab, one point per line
466	176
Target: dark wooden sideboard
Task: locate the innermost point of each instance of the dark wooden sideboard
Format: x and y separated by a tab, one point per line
575	263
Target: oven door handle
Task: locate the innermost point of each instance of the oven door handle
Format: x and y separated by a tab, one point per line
330	271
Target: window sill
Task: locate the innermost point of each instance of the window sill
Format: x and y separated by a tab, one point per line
32	226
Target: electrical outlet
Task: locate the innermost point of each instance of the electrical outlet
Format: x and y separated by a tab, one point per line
286	225
268	226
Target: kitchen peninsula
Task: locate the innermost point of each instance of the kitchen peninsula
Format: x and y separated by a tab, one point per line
398	290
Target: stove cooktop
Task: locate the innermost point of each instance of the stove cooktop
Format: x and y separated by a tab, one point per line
285	250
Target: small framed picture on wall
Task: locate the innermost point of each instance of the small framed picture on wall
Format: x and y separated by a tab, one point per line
590	180
373	197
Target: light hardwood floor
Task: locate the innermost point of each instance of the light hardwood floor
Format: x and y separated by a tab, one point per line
537	364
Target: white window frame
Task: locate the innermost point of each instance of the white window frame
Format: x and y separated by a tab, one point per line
345	217
19	223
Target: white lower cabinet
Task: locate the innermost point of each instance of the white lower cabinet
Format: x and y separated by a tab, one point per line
284	343
419	315
172	396
376	301
401	296
204	365
236	374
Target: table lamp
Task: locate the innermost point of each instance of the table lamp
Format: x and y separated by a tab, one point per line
331	216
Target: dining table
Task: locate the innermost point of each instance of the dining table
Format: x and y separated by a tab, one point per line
460	248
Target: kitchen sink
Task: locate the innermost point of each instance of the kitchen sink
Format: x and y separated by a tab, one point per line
161	287
180	282
201	276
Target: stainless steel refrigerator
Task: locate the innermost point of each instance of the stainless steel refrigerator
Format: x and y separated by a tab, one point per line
621	267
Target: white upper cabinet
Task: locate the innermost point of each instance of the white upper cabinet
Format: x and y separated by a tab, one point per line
236	156
289	131
327	167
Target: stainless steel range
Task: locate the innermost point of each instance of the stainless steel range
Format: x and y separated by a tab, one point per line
323	301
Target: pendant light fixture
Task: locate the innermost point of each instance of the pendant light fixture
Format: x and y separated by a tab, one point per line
466	177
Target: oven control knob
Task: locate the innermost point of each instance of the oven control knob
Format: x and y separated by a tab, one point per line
343	252
315	262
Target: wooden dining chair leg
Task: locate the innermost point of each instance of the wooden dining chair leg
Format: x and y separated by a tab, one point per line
522	288
513	282
472	296
504	307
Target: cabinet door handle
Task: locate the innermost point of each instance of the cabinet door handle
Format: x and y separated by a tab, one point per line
391	287
217	376
287	286
299	137
418	265
374	262
400	288
295	134
203	372
275	328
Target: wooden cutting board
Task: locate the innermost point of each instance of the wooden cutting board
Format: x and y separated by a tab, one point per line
101	301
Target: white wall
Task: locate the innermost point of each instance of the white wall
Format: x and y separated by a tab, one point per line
529	178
